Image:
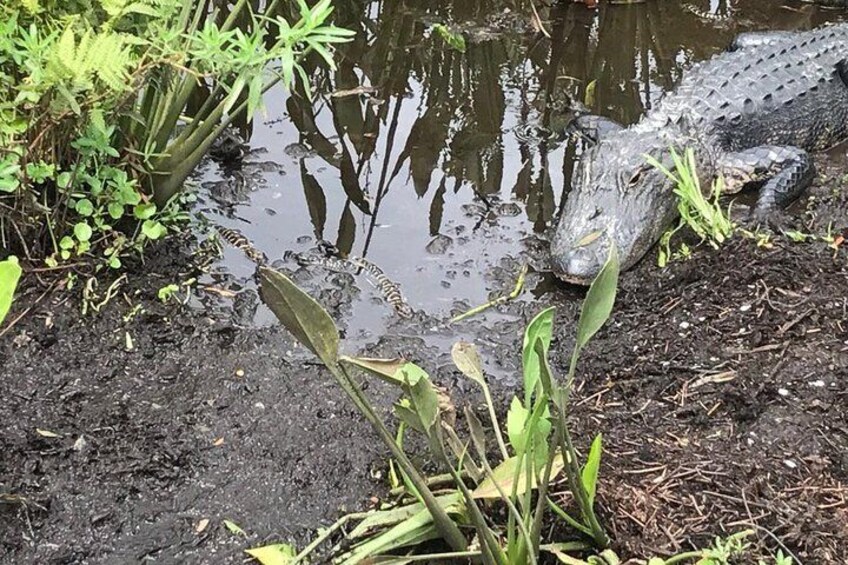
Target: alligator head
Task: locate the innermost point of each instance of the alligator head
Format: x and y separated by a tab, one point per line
616	196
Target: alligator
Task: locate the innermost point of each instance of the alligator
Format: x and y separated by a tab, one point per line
752	115
330	260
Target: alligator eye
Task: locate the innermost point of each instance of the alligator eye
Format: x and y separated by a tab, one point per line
636	176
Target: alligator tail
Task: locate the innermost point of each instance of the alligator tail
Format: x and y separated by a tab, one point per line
242	243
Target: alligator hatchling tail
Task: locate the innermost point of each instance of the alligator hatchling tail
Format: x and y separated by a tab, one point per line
388	288
239	241
705	15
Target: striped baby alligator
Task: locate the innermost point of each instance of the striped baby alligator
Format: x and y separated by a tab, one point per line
351	264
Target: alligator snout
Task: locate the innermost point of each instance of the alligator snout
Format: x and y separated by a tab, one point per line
581	262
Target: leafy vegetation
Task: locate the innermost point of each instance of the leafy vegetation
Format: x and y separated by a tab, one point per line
536	447
699	211
109	104
498	477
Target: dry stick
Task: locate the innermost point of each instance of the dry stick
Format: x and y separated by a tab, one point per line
753	522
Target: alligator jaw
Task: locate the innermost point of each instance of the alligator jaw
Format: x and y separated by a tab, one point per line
571	279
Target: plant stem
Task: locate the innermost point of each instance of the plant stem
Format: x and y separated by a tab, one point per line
326	533
444	524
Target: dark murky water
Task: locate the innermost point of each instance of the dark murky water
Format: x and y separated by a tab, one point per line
437	165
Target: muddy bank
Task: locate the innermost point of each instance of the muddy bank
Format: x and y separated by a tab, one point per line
719	386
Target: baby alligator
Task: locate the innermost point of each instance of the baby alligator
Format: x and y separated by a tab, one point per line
388	288
751	115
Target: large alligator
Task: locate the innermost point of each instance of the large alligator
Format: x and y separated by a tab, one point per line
751	115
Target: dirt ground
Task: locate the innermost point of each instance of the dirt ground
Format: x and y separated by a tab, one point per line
719	385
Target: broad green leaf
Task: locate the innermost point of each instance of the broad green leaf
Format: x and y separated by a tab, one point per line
600	298
144	211
153	229
276	554
516	420
10	274
467	360
310	324
589	476
406	414
504	475
116	210
540	329
82	232
84	207
384	369
423	395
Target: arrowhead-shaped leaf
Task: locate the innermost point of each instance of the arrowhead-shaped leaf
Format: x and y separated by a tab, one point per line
540	330
467	360
600	298
299	313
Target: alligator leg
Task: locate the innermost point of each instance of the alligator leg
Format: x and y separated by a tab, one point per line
758	38
592	128
786	171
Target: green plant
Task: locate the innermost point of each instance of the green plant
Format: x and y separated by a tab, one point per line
723	551
454	39
10	274
539	443
700	212
100	122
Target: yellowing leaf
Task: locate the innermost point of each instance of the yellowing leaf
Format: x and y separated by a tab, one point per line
276	554
10	274
504	474
467	360
385	369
